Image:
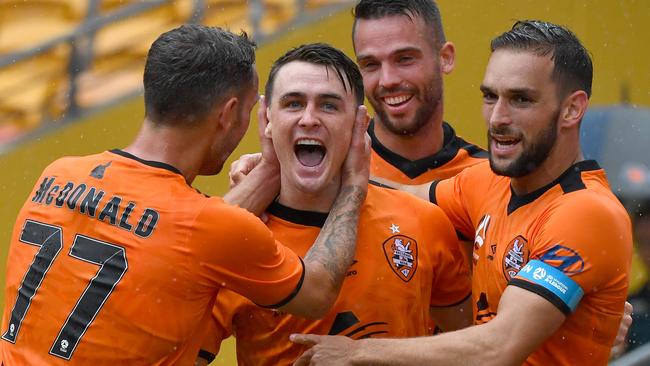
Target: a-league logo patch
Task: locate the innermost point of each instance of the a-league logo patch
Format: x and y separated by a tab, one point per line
402	255
515	257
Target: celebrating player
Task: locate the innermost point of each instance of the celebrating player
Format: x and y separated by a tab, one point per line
408	262
552	244
116	259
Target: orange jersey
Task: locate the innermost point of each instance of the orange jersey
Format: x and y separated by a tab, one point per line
407	260
117	261
569	242
455	155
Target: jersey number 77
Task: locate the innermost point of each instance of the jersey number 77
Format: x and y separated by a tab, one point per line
112	263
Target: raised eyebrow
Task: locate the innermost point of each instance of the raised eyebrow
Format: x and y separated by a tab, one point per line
525	91
406	49
292	95
485	89
330	96
361	58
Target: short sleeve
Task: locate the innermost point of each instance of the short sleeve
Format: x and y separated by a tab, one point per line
448	195
583	245
451	282
238	252
225	309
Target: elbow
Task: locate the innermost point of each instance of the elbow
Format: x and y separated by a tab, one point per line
321	305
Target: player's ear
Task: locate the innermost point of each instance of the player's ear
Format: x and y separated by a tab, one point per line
228	113
447	56
573	109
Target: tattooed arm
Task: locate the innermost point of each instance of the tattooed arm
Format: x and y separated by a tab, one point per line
331	255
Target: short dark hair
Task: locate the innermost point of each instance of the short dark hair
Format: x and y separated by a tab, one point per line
572	70
425	9
321	54
192	68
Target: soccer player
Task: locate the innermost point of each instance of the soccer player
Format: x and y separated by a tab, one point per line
116	260
408	262
552	244
402	53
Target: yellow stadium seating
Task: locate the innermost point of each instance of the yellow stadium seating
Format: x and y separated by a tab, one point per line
28	88
25	24
38	88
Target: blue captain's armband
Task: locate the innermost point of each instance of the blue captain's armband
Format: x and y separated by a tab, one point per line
550	283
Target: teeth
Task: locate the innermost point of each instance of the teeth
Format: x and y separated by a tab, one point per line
397	100
308	142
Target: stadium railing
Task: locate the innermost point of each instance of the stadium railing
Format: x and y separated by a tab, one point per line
57	81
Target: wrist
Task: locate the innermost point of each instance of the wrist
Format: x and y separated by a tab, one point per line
361	352
268	169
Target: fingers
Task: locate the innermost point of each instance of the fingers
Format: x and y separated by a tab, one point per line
629	309
306	339
262	121
242	166
359	132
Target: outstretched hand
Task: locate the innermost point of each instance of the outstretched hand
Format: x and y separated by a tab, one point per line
325	350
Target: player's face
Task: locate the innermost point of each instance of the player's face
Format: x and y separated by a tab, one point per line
220	153
521	108
311	116
401	71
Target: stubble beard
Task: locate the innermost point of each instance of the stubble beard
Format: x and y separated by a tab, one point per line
533	155
430	101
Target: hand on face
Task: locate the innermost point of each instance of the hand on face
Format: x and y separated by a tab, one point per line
356	168
264	131
247	162
325	350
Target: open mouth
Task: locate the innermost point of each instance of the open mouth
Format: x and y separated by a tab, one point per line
310	152
396	101
504	141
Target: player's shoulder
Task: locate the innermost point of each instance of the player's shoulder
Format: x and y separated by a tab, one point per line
386	198
220	213
588	192
71	163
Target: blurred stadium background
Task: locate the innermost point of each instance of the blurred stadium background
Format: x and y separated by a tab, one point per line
71	70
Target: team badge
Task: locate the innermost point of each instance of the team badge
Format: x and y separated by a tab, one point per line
402	255
516	256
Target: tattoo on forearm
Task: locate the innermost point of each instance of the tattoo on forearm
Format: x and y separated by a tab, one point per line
336	244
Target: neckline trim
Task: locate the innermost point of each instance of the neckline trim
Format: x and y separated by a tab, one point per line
300	217
569	181
414	168
152	163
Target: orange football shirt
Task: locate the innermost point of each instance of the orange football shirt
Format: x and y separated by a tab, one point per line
117	261
407	260
456	154
569	242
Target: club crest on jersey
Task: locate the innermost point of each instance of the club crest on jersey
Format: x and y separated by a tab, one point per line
516	256
402	255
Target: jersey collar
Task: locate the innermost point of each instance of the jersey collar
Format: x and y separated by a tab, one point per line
569	181
300	217
155	164
414	168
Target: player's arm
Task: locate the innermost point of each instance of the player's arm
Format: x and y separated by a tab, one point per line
524	321
327	262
